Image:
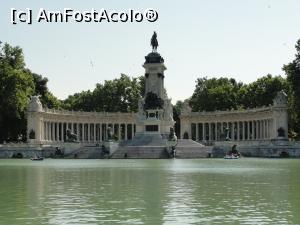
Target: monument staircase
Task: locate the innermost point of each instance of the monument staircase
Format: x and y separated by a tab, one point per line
154	146
150	146
187	148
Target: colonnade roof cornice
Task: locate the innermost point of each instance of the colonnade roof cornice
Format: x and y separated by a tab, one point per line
231	112
84	113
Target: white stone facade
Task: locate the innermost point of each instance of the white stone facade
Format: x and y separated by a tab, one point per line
244	125
50	126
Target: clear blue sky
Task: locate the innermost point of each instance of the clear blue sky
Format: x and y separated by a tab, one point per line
243	39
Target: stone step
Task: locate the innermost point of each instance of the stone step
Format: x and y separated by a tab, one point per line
86	153
141	152
193	152
188	142
187	148
145	140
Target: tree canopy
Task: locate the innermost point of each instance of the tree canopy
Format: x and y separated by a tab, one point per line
17	84
292	71
215	94
224	93
118	95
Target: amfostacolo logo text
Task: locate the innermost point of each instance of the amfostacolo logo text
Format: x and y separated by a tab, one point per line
67	15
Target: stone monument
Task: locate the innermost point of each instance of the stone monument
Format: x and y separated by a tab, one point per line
155	115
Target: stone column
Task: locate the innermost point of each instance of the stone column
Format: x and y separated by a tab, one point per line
53	131
66	128
243	130
83	132
260	130
60	131
232	131
94	132
45	132
104	131
227	126
77	131
42	130
267	131
97	132
216	131
100	132
263	129
204	131
125	131
248	130
256	130
132	130
119	131
57	132
50	130
252	130
238	130
209	131
268	128
222	128
265	125
88	132
197	131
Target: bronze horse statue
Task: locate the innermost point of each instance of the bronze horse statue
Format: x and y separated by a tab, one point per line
154	42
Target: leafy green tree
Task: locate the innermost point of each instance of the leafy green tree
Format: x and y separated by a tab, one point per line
261	92
16	86
215	94
118	95
292	71
40	86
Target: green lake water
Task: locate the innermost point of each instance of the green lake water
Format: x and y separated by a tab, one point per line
198	191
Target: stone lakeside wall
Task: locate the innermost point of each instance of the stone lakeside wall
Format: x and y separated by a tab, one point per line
270	148
273	148
26	151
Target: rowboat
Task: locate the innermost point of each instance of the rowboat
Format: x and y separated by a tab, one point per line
37	158
231	157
